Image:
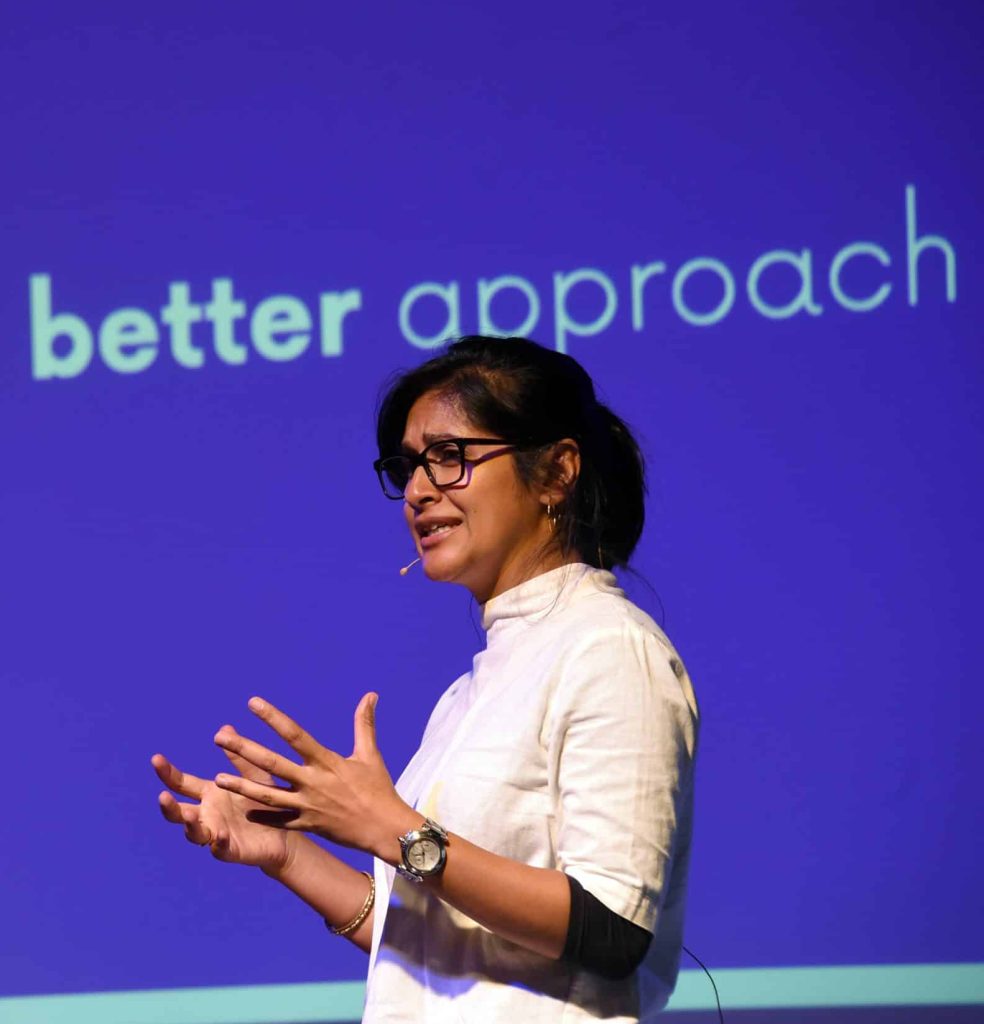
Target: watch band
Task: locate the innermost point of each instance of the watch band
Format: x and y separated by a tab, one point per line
437	830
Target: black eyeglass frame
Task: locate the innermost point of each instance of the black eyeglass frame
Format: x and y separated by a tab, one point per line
420	459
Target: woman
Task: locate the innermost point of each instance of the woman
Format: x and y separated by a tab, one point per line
530	864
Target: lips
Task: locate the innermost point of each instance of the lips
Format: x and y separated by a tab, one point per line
434	531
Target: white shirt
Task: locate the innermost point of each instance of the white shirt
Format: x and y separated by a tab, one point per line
569	745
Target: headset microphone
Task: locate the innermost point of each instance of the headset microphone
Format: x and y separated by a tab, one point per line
407	568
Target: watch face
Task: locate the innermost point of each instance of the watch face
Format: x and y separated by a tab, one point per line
424	854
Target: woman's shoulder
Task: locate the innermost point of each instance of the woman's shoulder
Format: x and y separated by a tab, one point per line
601	608
604	634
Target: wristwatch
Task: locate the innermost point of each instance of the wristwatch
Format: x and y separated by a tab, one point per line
424	851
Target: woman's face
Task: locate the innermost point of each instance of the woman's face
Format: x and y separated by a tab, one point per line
498	527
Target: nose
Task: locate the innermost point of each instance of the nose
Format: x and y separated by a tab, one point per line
419	490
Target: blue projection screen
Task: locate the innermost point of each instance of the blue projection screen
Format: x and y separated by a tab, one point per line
757	226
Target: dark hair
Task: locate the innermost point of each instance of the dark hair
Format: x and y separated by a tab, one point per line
522	391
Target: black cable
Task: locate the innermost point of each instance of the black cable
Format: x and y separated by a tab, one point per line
717	998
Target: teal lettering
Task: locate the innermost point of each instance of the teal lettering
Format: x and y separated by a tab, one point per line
837	265
128	340
487	290
223	311
640	275
802	262
280	315
914	248
563	324
446	293
722	309
45	362
335	306
179	314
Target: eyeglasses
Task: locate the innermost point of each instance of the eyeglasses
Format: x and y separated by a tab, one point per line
444	463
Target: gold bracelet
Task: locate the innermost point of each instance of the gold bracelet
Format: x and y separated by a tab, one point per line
362	914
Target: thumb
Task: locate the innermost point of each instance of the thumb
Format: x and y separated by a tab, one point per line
365	726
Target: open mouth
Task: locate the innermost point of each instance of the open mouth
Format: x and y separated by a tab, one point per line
434	533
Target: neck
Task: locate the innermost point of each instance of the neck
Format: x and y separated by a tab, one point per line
526	567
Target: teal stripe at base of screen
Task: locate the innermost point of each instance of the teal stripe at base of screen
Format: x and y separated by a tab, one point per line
337	1002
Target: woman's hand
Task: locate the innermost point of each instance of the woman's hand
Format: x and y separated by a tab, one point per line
348	800
219	818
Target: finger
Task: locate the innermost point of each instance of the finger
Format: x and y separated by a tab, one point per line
219	846
303	742
176	812
365	727
187	815
219	841
247	770
172	777
197	833
272	796
256	754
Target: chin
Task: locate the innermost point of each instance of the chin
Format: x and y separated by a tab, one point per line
438	569
449	570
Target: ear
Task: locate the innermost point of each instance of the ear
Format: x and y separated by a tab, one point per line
560	471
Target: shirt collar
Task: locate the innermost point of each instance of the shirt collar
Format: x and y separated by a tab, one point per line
535	598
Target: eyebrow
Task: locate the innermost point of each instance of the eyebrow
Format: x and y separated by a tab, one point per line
428	439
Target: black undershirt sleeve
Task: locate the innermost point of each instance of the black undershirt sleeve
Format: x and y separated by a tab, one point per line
600	940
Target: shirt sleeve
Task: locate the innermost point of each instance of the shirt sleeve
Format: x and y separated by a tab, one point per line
601	941
621	740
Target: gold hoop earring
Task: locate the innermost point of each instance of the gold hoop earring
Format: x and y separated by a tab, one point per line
551	519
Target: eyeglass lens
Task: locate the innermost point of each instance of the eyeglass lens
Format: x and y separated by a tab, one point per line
444	465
